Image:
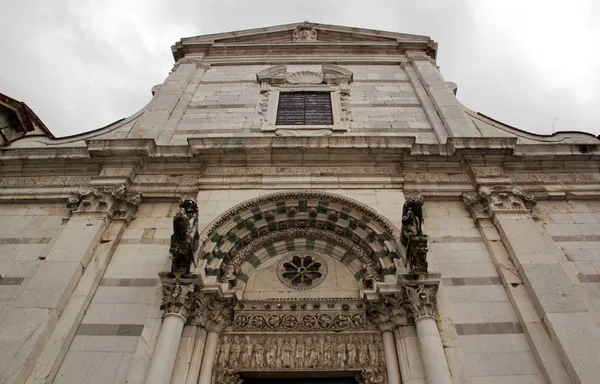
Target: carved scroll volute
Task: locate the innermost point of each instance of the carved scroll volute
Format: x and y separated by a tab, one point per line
113	200
421	300
179	300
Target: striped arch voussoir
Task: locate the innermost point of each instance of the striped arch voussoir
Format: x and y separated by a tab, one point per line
233	237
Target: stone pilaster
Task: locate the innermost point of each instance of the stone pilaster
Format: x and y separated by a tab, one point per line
529	263
385	314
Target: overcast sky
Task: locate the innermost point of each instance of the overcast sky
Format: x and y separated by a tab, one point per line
82	64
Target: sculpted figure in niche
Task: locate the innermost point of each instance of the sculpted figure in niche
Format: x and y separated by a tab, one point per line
247	352
313	352
299	353
373	351
340	350
412	218
224	353
185	238
363	351
287	352
272	355
351	351
236	349
259	351
328	352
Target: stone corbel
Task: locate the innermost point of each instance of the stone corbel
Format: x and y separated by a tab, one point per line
421	300
111	200
490	200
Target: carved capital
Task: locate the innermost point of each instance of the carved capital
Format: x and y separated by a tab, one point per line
113	200
179	300
498	199
387	313
421	300
215	313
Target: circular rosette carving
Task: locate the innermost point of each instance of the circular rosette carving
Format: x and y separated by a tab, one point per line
302	270
357	320
257	322
290	322
309	321
274	321
241	321
341	321
304	77
324	321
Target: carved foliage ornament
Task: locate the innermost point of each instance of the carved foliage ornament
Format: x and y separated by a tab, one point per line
215	313
113	200
179	299
421	300
300	322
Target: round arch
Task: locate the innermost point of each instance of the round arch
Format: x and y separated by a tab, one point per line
244	236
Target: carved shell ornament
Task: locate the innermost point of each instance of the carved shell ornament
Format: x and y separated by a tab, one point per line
304	77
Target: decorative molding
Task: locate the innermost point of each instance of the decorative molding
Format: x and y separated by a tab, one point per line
111	200
421	300
305	33
307	321
353	351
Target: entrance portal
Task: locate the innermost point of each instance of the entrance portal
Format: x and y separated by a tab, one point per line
312	380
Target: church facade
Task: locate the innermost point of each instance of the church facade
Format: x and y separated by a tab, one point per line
301	203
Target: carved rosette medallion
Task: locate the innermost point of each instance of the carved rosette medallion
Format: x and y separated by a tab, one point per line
421	300
113	200
302	270
356	351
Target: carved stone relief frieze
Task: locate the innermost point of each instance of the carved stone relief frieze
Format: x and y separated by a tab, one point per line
300	321
353	351
114	200
498	199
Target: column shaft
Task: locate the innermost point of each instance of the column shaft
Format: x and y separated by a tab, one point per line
432	351
391	357
165	353
197	356
208	360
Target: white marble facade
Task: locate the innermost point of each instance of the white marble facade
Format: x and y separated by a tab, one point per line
301	268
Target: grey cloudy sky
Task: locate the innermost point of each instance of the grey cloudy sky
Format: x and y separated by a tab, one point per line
82	64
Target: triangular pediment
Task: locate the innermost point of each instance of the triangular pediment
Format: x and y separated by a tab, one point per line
303	33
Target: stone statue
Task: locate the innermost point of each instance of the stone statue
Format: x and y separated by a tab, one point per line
328	352
351	351
224	353
236	350
373	351
272	355
363	352
259	351
313	353
247	352
340	351
287	352
412	218
185	238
